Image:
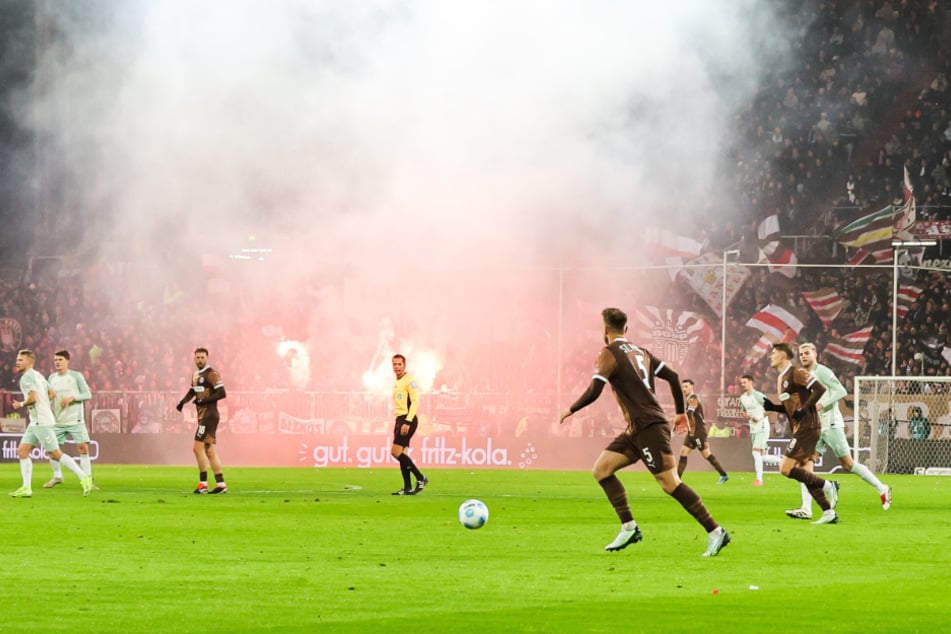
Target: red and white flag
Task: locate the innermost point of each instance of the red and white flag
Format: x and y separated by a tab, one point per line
826	302
671	244
775	321
908	294
851	347
783	261
762	346
877	253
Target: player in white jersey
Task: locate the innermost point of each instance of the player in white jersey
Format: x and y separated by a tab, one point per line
751	400
833	432
68	393
39	433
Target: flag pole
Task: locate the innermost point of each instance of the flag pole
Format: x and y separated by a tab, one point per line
895	245
894	308
735	252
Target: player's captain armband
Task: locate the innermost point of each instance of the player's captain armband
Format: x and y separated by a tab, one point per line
198	389
784	396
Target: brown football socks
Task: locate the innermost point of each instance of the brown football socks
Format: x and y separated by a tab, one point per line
814	484
617	496
689	499
716	464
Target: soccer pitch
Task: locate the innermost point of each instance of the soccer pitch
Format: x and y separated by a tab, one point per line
288	550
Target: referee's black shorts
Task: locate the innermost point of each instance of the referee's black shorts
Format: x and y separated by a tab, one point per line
403	439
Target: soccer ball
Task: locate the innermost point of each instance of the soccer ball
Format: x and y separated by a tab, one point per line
473	514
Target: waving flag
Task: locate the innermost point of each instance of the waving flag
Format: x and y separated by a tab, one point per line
775	321
908	294
873	228
783	261
908	212
763	345
670	333
851	347
671	244
768	229
880	253
826	302
705	276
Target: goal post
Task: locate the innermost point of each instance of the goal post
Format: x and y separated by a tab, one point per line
902	424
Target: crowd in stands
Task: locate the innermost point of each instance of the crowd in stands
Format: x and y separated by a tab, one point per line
868	94
823	142
138	346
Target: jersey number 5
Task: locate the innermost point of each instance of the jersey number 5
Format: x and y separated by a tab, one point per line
637	359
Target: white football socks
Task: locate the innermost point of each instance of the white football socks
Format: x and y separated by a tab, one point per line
26	470
67	460
806	498
866	474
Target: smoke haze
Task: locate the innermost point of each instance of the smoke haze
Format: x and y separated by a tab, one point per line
373	146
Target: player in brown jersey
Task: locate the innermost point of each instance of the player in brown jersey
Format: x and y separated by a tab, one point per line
697	433
207	389
631	370
799	391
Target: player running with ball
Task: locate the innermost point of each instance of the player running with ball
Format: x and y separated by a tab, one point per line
631	371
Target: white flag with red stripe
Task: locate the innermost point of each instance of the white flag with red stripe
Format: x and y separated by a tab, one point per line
775	321
670	244
763	345
826	302
851	347
908	294
783	261
879	252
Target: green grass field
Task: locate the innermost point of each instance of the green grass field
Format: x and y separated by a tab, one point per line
289	550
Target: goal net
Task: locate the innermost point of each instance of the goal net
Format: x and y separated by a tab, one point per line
902	424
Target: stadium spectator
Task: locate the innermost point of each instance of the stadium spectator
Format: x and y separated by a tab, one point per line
918	426
884	110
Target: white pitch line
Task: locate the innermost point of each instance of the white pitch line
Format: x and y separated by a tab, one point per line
231	491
